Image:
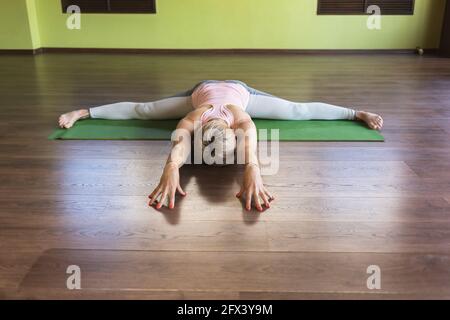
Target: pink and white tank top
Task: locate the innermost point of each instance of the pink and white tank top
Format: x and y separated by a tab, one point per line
218	95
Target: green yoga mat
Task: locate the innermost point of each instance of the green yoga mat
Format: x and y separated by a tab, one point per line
315	130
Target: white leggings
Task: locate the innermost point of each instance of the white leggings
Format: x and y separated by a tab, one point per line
261	105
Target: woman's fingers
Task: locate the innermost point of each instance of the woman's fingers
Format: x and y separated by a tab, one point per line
248	200
172	200
161	200
158	187
154	196
271	197
256	201
165	192
264	199
181	191
259	198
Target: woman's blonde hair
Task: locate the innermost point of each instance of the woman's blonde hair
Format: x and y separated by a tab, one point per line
220	139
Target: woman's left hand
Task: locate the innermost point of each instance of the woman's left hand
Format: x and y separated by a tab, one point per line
253	188
167	187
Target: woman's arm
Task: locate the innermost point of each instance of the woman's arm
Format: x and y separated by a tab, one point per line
169	183
182	142
252	185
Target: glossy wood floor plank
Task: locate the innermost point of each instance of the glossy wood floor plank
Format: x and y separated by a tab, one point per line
238	271
321	236
54	210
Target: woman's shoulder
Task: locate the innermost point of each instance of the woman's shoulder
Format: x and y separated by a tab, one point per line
239	114
196	113
236	110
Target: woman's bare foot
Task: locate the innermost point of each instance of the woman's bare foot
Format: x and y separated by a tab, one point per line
372	120
68	119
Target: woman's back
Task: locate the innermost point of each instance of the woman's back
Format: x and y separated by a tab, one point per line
219	95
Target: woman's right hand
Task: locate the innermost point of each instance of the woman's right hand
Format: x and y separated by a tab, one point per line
168	185
254	189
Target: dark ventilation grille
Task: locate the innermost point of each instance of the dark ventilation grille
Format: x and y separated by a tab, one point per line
400	7
111	6
341	6
388	7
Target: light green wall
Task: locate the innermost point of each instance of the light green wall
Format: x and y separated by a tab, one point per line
281	24
33	23
14	26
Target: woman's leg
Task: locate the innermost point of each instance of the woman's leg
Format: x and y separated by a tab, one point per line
269	107
169	108
174	107
265	106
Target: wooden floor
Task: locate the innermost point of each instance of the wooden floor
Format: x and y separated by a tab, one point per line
340	206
